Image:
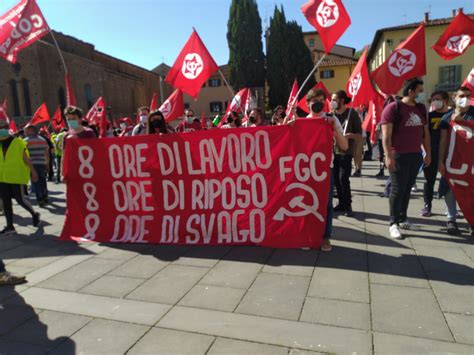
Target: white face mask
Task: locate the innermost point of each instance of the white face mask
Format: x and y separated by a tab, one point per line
334	105
420	98
462	102
437	105
123	125
143	119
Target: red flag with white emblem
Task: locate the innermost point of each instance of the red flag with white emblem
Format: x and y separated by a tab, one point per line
469	83
359	87
457	37
12	128
20	27
407	61
173	107
95	113
237	104
374	115
192	68
330	19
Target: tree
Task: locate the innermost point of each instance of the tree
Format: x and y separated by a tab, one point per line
288	58
244	37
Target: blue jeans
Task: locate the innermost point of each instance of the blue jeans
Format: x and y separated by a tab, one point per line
330	212
40	187
450	201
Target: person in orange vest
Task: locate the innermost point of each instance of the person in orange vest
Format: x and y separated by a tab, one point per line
15	171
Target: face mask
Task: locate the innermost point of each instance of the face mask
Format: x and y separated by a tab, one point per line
123	125
317	107
334	105
73	124
437	105
156	124
189	120
4	133
143	119
462	102
420	98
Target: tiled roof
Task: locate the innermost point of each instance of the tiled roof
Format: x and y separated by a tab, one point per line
338	61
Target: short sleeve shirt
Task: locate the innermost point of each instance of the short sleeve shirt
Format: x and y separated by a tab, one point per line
351	123
469	116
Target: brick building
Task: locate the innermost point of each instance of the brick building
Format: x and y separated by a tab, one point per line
38	76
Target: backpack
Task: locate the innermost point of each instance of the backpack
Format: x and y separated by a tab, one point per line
396	122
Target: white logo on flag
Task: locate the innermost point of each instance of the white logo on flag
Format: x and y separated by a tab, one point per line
236	102
470	78
166	108
458	44
327	13
401	62
355	84
192	66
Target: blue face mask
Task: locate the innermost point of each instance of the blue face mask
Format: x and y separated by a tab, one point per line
4	133
73	124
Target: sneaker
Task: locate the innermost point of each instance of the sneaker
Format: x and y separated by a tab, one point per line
357	173
349	212
408	226
7	231
452	228
380	173
395	232
326	246
426	211
339	208
36	219
414	188
8	279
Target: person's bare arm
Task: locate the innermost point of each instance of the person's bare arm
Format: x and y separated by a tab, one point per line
427	145
387	130
443	148
34	175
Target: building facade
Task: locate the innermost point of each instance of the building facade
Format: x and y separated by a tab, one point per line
38	76
440	74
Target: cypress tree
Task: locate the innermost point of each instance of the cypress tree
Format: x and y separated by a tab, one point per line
244	37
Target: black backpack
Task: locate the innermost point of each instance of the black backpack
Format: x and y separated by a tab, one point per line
396	122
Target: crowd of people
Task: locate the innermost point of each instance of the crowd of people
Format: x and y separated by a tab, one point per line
412	138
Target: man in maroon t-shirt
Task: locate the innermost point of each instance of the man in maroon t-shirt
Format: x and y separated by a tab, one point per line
190	124
404	132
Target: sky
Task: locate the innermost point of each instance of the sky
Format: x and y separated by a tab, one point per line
149	32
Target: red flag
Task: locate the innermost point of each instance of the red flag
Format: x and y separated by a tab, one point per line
20	27
457	37
103	123
359	87
58	121
303	105
203	121
237	104
407	61
154	102
12	128
374	115
94	115
70	97
173	107
330	19
45	131
41	115
292	99
193	67
469	82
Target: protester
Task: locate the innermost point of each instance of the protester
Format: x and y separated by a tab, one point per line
141	128
278	116
39	157
233	120
49	169
404	131
439	106
378	135
190	123
463	111
359	145
15	170
255	118
316	99
156	123
58	143
126	126
7	278
352	129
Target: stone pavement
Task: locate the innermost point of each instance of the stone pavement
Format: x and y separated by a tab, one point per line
369	295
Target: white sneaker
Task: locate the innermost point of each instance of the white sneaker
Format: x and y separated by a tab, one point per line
410	227
395	232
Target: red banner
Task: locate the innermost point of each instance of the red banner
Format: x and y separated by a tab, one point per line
267	186
460	166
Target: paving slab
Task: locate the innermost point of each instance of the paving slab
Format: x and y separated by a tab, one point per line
166	341
143	266
12	315
95	306
14	348
204	256
454	292
112	286
338	313
223	346
105	337
273	295
292	262
236	274
271	331
408	311
462	327
213	297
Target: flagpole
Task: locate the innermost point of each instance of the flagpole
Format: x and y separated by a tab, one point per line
227	84
59	51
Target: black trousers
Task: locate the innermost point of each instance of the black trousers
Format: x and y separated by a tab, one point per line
342	173
2	266
17	192
58	168
403	178
430	175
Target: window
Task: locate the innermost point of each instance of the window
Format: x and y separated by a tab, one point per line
88	94
216	106
26	96
213	83
450	74
311	43
16	103
327	74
